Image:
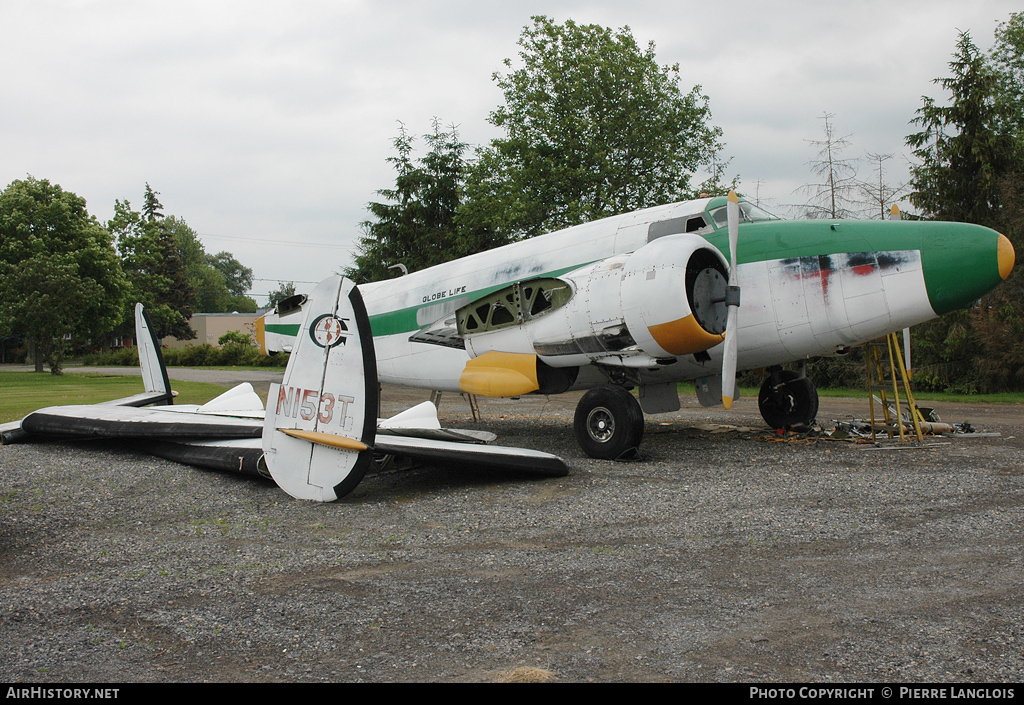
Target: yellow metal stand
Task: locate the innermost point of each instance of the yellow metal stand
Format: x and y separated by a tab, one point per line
889	386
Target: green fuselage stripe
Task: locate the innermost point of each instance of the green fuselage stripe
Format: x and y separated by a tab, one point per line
289	329
404	320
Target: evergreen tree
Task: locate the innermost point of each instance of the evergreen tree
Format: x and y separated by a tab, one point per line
152	209
153	265
417	224
970	170
1007	61
962	152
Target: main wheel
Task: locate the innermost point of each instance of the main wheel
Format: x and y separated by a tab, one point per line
787	399
608	423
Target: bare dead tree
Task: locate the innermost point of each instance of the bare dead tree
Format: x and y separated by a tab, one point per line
835	190
877	194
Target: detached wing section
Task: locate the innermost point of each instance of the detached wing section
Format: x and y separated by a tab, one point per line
154	377
106	421
318	435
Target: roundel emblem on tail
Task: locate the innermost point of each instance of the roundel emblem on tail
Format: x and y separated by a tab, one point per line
328	331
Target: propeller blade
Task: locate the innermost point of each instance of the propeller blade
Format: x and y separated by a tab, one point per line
732	301
733	211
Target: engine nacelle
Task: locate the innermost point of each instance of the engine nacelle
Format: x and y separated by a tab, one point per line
673	292
661	301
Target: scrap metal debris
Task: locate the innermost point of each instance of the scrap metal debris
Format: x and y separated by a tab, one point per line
852	430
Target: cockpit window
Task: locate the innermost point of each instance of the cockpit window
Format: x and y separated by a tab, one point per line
749	213
674	226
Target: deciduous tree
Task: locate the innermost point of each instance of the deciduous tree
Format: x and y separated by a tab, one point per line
60	278
594	126
282	292
832	196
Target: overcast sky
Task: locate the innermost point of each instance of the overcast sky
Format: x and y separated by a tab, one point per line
267	125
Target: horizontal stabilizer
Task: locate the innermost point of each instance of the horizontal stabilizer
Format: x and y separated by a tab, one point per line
521	460
423	415
457	435
241	400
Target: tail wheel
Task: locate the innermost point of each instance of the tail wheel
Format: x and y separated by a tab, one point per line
609	423
787	398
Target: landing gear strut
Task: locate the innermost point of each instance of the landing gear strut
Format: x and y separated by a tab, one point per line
609	423
787	398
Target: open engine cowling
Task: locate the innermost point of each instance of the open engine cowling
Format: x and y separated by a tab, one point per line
672	294
661	301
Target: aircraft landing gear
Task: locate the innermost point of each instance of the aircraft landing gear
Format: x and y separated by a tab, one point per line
787	398
609	423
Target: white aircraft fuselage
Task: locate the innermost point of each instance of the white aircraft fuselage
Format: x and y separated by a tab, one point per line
637	300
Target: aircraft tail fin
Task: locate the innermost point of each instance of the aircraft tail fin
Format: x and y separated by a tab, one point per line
151	360
321	420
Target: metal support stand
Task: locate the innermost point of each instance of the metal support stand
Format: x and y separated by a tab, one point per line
885	386
474	408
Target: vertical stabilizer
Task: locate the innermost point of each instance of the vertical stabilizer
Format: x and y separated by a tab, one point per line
321	420
151	360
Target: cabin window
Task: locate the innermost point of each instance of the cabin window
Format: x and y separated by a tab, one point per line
675	226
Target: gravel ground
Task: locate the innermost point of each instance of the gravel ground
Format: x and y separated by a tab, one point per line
722	556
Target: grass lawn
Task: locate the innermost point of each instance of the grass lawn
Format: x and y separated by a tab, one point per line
999	398
23	392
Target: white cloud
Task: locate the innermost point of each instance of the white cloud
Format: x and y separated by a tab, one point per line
273	121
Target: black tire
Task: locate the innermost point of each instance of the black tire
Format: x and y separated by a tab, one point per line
609	423
788	399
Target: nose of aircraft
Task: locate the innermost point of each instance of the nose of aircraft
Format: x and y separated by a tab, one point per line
962	263
1006	256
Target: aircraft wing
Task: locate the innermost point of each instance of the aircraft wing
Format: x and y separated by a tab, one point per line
319	432
105	421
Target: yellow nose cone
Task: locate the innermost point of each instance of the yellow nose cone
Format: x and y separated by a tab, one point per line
1007	258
